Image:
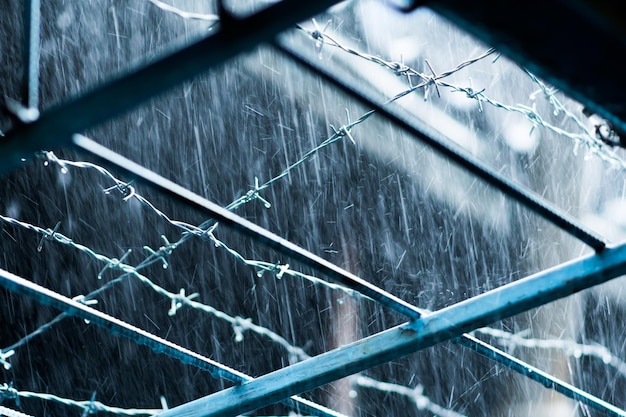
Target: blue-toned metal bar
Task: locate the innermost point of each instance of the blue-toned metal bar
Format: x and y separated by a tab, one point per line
246	227
388	300
436	140
31	53
115	326
508	300
539	376
55	126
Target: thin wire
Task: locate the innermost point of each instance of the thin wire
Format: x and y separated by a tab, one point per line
88	406
512	341
594	145
441	144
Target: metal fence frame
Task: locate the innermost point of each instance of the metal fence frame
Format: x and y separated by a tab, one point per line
57	127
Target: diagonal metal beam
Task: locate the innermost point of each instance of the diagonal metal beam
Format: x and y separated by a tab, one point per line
55	126
420	130
445	324
115	326
246	227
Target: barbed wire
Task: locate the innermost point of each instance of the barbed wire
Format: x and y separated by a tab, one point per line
240	325
203	231
178	300
88	407
594	145
416	394
513	341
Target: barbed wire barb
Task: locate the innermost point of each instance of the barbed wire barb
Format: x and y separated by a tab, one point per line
115	263
180	299
48	234
4	356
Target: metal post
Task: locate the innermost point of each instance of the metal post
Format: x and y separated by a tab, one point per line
31	53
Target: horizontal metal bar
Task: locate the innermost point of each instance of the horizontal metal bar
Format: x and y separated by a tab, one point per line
450	322
436	140
246	227
74	308
115	326
55	126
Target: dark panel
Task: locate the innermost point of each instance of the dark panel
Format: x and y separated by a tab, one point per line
575	45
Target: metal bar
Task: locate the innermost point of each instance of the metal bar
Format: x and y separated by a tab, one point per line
246	227
31	54
531	372
55	126
115	326
539	376
436	140
445	324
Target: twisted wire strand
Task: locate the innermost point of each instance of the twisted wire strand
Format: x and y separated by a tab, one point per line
87	406
512	341
584	138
